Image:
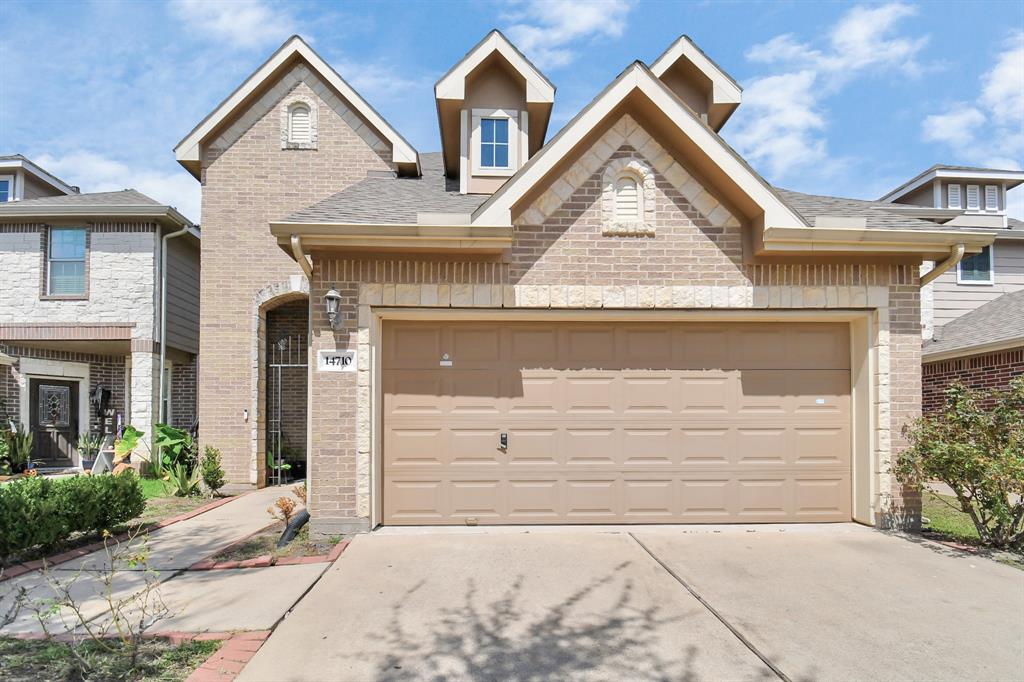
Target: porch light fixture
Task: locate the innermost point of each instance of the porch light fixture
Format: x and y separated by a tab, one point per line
332	299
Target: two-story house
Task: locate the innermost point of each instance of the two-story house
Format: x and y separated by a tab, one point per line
972	316
618	323
81	288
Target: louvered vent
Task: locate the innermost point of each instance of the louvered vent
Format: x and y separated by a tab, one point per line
299	124
954	196
973	198
627	201
991	198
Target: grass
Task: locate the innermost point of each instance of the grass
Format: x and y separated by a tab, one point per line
947	522
159	661
154	487
265	542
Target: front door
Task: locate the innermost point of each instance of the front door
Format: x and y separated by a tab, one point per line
54	420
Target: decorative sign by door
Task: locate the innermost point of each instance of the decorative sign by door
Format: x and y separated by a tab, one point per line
336	361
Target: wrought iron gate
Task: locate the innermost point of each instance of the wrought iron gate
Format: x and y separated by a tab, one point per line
285	356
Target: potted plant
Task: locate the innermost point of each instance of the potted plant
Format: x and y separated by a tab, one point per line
19	445
88	448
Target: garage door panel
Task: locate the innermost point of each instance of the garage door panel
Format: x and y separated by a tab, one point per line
413	346
615	423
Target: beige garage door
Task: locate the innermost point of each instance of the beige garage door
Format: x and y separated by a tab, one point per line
615	422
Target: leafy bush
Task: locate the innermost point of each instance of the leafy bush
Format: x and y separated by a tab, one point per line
19	447
213	473
43	512
975	445
176	447
183	482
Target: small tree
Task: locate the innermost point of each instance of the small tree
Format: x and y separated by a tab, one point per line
975	445
213	473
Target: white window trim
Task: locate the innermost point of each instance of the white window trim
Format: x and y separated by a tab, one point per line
12	187
50	261
513	142
979	282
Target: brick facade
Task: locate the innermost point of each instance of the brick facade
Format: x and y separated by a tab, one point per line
248	180
183	393
993	370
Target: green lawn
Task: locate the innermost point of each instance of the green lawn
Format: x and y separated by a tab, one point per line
949	521
31	660
154	487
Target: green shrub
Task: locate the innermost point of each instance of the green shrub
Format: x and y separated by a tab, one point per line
42	512
213	473
975	445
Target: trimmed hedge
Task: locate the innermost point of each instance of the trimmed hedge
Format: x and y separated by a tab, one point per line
42	512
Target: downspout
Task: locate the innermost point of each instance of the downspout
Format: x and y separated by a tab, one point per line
300	257
956	253
163	318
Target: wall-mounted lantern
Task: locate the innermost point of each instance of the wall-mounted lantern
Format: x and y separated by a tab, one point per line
332	299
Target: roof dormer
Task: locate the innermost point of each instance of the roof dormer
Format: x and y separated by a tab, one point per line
493	109
699	82
958	195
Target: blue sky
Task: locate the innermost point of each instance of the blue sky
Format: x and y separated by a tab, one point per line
840	98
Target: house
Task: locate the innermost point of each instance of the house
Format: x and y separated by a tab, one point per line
80	310
623	323
968	328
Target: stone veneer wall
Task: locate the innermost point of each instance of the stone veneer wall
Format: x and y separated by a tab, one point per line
341	408
992	370
248	180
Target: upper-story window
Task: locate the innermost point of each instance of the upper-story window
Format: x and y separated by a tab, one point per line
494	145
977	268
6	188
66	262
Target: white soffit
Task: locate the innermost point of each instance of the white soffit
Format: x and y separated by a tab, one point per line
725	90
1010	177
188	149
497	209
453	84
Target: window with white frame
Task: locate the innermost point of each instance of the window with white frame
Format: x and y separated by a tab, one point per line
953	194
973	198
65	257
494	142
6	188
976	268
991	197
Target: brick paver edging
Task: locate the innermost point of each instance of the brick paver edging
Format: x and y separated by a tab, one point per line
71	554
266	560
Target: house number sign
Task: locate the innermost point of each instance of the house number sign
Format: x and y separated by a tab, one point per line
336	361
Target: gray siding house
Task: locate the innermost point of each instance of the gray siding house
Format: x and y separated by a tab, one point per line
80	297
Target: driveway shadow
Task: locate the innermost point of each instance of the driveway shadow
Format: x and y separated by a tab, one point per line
501	639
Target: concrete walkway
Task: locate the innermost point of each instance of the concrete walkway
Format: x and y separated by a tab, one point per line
198	601
826	602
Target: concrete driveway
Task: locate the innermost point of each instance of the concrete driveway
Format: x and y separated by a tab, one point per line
837	602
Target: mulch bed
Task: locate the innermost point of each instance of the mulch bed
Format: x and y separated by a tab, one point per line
259	550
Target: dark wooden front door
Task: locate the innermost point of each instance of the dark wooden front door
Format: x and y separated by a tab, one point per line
54	420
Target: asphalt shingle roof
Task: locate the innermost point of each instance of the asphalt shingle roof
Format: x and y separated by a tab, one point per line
810	205
125	197
387	200
999	320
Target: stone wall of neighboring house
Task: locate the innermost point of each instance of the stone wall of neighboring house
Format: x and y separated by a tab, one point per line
567	255
104	370
993	370
120	272
248	180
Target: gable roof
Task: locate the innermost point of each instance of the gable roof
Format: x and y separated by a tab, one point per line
636	78
127	203
391	200
726	93
9	161
187	151
995	325
452	85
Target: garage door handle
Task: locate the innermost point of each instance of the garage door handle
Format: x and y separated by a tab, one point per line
503	441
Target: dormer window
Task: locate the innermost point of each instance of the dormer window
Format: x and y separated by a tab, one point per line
298	123
6	188
494	145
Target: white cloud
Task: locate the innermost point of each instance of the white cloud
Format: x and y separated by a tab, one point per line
241	23
783	120
990	130
545	29
97	173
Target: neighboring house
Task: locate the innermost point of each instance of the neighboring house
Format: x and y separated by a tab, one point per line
968	317
622	324
80	310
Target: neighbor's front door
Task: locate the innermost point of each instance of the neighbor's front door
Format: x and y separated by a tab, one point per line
54	420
